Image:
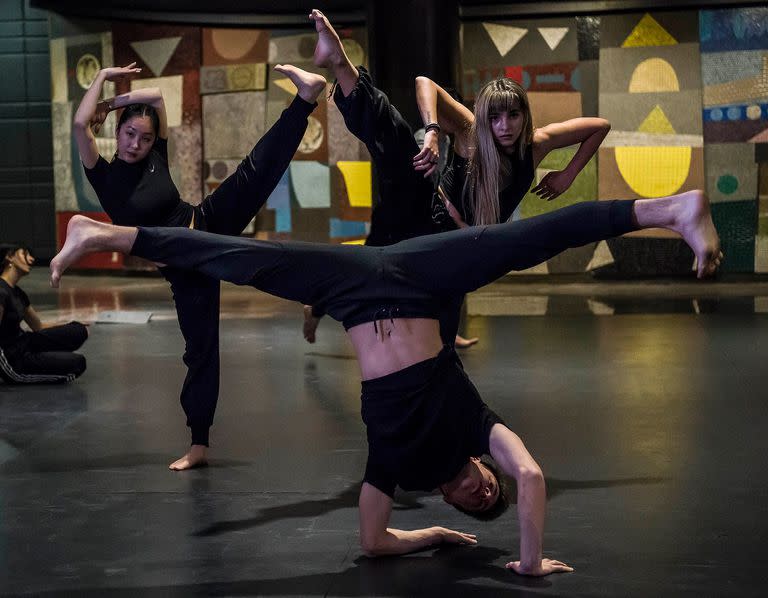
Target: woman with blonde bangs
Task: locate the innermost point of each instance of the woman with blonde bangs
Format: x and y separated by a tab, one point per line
496	149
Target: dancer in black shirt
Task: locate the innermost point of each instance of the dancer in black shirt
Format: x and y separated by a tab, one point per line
135	188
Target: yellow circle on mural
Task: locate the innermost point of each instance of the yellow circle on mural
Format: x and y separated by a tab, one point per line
654	171
86	70
234	44
354	51
313	137
652	76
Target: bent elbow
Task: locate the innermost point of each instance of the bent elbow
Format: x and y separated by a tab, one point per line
605	124
530	475
370	548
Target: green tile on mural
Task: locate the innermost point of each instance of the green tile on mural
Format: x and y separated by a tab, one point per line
736	223
584	187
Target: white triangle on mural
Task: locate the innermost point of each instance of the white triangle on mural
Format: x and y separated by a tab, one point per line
504	37
156	52
553	35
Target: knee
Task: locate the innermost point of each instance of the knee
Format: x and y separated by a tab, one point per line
80	330
79	365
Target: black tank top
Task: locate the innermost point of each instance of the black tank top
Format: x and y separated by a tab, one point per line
454	177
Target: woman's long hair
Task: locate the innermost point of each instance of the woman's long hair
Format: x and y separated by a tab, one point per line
487	165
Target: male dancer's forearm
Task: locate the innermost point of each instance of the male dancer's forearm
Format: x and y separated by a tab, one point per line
531	507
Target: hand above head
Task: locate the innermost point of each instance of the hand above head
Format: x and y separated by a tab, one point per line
553	184
426	160
546	567
115	73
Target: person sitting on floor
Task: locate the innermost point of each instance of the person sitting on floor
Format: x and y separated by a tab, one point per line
44	354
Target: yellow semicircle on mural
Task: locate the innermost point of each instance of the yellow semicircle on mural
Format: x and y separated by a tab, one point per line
654	75
654	171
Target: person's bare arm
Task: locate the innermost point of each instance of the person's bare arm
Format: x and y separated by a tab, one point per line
91	113
514	459
588	132
437	106
32	319
377	539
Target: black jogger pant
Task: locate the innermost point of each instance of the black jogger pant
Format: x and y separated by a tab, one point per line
404	209
422	269
50	352
226	211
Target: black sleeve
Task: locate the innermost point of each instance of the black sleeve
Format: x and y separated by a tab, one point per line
379	478
98	178
487	419
24	298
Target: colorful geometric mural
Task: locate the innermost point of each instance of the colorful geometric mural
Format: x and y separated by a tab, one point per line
221	96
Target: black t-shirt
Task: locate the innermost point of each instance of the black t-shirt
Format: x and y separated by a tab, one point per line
454	176
423	425
140	194
14	302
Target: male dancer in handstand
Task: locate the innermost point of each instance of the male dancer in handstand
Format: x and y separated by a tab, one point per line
426	424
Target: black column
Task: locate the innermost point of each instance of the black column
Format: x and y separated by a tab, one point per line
410	38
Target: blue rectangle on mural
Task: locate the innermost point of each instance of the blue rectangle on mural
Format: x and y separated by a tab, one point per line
281	195
347	228
552	78
733	29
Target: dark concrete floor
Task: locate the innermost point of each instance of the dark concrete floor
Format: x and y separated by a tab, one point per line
650	428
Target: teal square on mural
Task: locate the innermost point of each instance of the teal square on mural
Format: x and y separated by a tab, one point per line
584	187
736	223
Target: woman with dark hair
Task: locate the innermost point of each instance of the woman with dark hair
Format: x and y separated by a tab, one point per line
426	423
46	354
136	188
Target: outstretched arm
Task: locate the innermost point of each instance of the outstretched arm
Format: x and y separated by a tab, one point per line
589	132
437	106
377	539
515	460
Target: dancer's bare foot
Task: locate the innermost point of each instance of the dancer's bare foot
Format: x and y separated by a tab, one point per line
83	235
196	457
309	85
310	324
462	343
688	215
694	224
329	53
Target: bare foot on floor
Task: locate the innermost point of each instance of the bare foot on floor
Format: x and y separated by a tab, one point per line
309	85
463	343
329	52
196	457
310	324
82	237
693	221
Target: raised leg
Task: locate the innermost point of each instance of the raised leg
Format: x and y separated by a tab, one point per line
233	204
